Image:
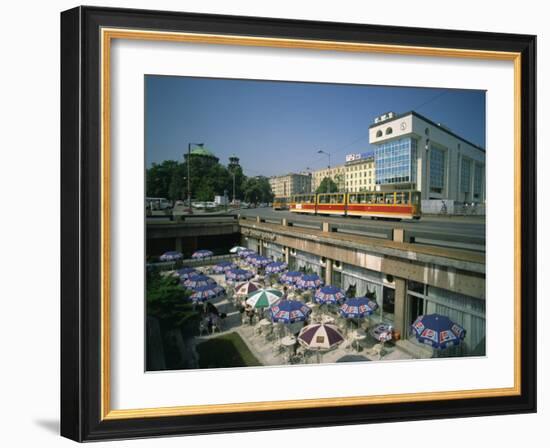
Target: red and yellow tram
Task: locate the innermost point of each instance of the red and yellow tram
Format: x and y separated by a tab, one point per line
303	203
280	203
376	204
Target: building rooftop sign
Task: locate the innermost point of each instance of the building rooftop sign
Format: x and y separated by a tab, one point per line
384	117
359	156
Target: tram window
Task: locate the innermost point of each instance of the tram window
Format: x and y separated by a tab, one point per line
333	199
340	198
362	198
415	197
400	198
353	198
370	198
323	199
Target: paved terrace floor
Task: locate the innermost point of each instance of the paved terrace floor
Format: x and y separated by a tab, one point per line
265	348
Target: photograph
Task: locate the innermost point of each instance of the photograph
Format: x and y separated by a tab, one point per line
297	223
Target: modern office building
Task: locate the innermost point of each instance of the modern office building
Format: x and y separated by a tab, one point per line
289	184
360	172
336	173
414	152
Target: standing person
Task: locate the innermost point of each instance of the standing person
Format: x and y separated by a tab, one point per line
249	312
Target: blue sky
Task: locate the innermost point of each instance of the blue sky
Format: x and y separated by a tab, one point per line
278	127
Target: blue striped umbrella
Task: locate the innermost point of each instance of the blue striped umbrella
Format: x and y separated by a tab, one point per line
276	267
223	266
245	253
290	278
238	275
171	255
203	253
289	311
261	261
438	331
251	257
198	280
185	273
202	293
309	281
358	307
329	294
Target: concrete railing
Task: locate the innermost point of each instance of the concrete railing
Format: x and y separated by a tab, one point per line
444	240
385	233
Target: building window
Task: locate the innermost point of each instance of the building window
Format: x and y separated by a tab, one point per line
437	170
379	133
395	162
427	131
465	175
389	131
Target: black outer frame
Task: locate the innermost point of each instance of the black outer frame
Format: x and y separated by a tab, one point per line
80	223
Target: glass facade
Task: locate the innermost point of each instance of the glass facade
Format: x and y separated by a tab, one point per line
478	180
395	161
437	169
465	175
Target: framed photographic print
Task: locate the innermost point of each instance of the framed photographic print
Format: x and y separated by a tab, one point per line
275	224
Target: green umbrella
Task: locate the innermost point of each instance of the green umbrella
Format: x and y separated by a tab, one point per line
262	298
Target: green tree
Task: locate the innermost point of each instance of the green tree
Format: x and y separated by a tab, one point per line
257	189
327	185
167	299
159	177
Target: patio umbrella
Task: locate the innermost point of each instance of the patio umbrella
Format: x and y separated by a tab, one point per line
202	293
237	249
238	275
438	331
262	298
223	266
260	261
309	281
203	253
352	358
329	294
198	280
276	267
289	311
244	289
185	273
320	337
358	307
171	255
245	253
290	278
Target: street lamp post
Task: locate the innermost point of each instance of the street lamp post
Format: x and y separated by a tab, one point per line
326	153
189	173
233	172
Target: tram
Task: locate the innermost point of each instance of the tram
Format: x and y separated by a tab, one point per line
403	204
280	203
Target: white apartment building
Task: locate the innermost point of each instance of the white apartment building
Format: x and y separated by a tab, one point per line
360	172
413	152
336	173
289	184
